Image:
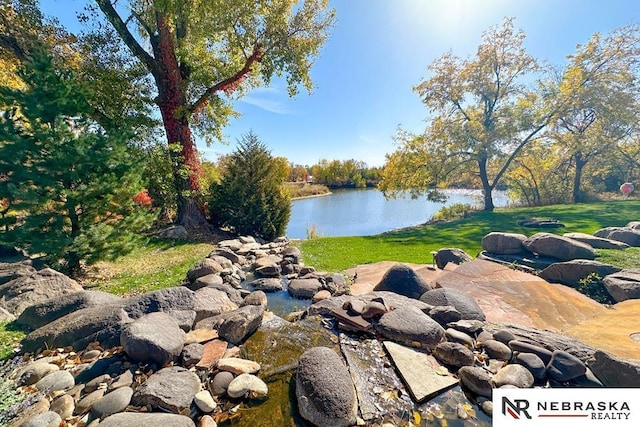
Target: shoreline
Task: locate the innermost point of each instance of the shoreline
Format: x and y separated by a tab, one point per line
313	195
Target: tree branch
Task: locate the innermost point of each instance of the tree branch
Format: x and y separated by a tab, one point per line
229	84
124	33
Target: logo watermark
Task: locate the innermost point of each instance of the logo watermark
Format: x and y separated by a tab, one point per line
566	407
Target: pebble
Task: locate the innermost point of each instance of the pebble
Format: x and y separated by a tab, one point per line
207	421
497	350
89	399
204	401
515	375
112	403
46	419
94	384
35	371
221	382
247	385
123	380
454	335
504	336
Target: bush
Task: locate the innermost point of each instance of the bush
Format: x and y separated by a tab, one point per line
250	199
67	183
456	210
593	287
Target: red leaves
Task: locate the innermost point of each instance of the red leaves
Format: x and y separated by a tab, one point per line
143	198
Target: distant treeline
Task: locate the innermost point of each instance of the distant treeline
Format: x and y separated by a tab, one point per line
337	174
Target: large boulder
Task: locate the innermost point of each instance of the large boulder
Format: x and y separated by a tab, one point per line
403	280
304	288
155	337
445	256
102	323
504	243
615	372
635	225
324	390
203	268
409	325
165	300
466	306
12	270
623	285
596	242
572	272
630	236
237	325
34	288
47	311
559	247
170	389
210	302
234	294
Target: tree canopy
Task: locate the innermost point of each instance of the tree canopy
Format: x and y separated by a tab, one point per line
202	55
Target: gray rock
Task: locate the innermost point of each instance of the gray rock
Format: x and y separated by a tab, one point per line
635	225
374	308
596	242
402	279
112	403
204	281
466	306
321	295
459	337
615	372
229	254
564	366
572	272
235	326
304	288
293	254
155	338
175	232
125	379
268	267
184	318
35	371
95	383
203	268
534	364
504	336
497	350
324	390
445	314
45	419
623	285
191	354
409	325
171	389
527	262
221	382
453	255
515	375
469	326
49	310
137	419
255	298
165	300
626	235
234	294
476	379
5	316
35	288
391	300
209	302
503	243
267	284
247	385
525	347
58	380
89	399
559	247
453	354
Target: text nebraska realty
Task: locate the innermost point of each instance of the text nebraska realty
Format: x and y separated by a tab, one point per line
610	410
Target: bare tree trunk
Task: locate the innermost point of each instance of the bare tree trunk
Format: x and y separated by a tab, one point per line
487	188
577	178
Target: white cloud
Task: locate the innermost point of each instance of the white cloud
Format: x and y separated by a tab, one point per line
269	99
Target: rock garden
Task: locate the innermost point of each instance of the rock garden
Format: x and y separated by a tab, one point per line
420	346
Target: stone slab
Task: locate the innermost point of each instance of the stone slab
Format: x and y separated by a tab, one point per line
356	321
213	351
612	331
200	336
512	296
418	371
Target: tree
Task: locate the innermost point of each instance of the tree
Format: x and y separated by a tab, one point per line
601	87
485	111
68	183
251	199
202	53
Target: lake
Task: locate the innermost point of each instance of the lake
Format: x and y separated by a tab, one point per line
365	212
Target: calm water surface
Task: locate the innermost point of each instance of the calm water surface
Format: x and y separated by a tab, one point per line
366	212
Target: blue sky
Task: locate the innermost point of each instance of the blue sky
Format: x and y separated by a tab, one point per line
379	50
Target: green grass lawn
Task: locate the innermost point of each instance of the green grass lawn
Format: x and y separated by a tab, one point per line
416	243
